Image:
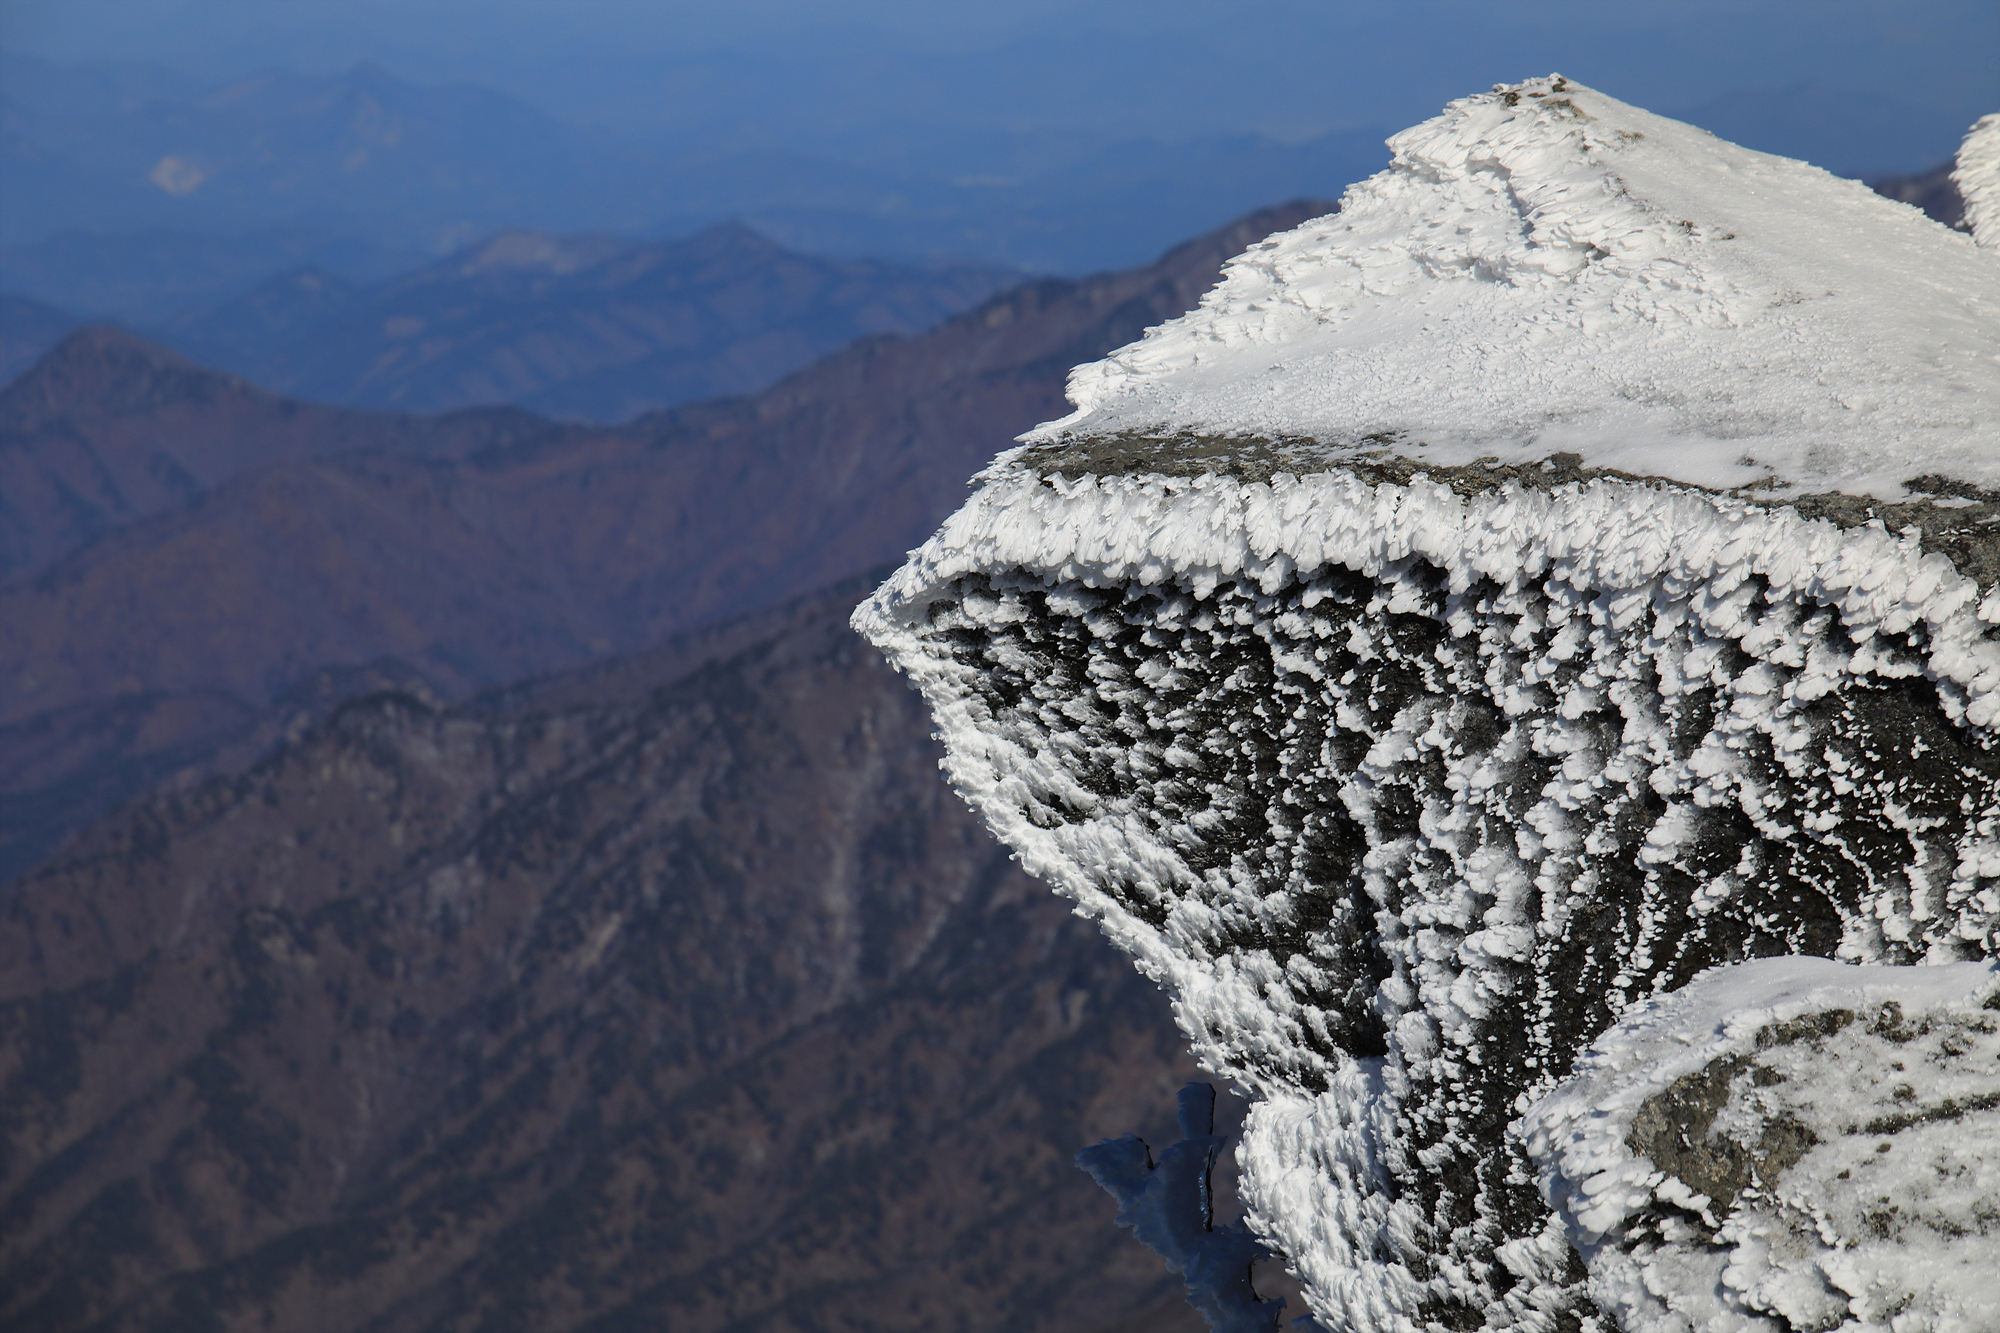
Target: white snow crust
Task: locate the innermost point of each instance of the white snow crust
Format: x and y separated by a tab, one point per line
1977	176
1544	268
1890	1220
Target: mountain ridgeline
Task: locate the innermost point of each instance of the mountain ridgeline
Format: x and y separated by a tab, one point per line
701	1007
295	554
586	327
580	327
465	874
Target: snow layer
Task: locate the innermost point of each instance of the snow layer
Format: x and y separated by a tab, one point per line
1829	1152
1977	177
1545	269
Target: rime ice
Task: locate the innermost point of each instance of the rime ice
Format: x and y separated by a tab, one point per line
1977	177
1411	659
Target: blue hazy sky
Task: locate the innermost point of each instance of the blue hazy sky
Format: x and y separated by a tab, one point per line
818	68
1050	135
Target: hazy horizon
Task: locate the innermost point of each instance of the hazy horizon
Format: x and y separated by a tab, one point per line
871	73
1060	139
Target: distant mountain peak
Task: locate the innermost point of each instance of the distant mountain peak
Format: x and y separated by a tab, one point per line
103	370
109	338
733	233
308	278
519	250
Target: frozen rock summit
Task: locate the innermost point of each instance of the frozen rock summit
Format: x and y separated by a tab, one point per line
1547	270
1558	579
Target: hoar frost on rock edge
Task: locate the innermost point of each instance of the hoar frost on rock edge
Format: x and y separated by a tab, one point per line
1406	796
1978	180
1408	769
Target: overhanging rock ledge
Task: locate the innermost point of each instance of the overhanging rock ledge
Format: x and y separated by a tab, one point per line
1567	569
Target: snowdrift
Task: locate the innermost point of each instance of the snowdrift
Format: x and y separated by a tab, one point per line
1565	571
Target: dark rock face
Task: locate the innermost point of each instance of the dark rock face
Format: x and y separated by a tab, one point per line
1675	1129
1933	191
708	1008
1461	831
1168	1205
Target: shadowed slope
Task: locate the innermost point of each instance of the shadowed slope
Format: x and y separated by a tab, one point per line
705	1008
107	428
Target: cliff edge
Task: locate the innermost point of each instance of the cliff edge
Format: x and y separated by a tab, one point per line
1564	572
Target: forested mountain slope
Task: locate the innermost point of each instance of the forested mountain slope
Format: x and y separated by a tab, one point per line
458	553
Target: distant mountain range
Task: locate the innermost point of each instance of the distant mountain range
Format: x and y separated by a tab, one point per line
108	429
203	596
381	165
153	277
576	326
1932	191
572	326
677	995
655	981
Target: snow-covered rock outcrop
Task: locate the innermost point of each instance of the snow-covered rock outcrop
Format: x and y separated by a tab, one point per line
1789	1143
1568	569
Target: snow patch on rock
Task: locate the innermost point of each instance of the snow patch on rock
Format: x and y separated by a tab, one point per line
1788	1143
